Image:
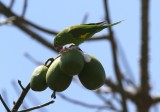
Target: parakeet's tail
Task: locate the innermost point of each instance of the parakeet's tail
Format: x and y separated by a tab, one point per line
105	25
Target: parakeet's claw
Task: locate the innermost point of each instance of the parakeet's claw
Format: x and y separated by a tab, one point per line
73	46
62	51
66	49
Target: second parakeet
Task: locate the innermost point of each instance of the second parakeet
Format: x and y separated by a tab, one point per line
77	34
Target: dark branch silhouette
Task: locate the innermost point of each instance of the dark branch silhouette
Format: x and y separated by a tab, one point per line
139	95
37	107
21	98
4	104
118	72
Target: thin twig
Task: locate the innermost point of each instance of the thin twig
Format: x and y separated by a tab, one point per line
5	96
37	107
14	102
81	103
116	88
102	37
20	84
85	18
32	59
25	29
21	98
107	105
4	104
39	27
35	36
115	60
101	97
107	101
121	52
7	12
18	91
24	8
11	4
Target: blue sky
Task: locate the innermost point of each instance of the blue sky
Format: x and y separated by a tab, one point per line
60	14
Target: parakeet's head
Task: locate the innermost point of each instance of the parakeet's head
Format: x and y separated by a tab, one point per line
62	38
57	44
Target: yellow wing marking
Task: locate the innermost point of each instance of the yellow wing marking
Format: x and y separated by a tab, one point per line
84	35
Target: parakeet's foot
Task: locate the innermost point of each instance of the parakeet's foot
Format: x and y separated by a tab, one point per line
73	46
62	51
66	49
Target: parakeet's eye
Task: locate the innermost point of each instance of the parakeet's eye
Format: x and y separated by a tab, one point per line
57	46
55	43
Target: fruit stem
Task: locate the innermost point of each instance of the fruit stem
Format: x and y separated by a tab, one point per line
50	60
53	95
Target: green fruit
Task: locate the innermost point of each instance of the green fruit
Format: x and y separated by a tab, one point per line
72	62
56	79
38	78
93	75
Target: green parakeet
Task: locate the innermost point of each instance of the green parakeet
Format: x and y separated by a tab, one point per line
79	33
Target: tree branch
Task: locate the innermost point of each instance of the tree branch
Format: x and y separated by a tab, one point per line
21	26
25	29
115	60
21	98
18	91
4	104
102	37
156	99
37	107
39	27
32	59
20	84
35	36
144	59
85	18
116	88
11	3
23	20
24	8
82	103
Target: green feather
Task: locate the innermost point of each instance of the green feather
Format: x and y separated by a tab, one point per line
79	33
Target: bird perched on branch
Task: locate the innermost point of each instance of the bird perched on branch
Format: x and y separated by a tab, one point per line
77	34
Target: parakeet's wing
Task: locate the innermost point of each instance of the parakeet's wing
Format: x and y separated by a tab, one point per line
83	31
79	33
88	30
99	23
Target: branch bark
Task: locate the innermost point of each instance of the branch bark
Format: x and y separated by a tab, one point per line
144	59
21	98
115	60
116	88
92	106
143	95
20	24
24	8
37	107
4	104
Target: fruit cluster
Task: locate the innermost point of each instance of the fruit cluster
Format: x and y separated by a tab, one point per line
58	75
